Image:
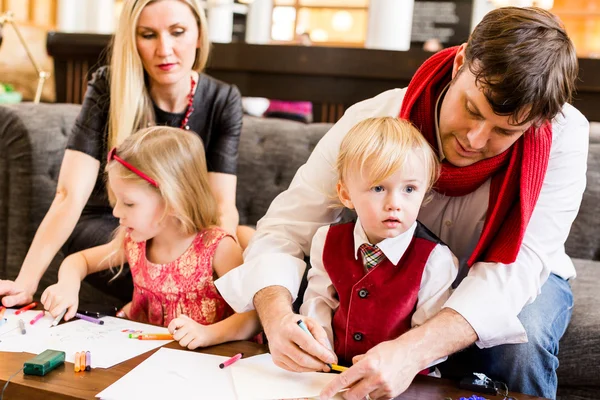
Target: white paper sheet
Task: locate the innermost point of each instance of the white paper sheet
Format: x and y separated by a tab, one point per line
174	374
107	343
12	340
259	378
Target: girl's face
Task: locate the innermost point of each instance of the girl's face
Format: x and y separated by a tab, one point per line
167	38
139	208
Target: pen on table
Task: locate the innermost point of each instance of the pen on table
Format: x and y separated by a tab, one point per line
233	359
2	310
334	367
154	336
37	318
89	319
59	317
27	307
22	327
88	361
77	362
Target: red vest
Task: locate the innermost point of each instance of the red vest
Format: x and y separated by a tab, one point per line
376	306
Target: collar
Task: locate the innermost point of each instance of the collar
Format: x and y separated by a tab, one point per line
393	248
437	123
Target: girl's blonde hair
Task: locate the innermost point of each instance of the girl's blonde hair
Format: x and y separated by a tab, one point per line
130	102
175	160
382	146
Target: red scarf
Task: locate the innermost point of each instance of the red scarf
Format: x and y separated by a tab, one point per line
517	174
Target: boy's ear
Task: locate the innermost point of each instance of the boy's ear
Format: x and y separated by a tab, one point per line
344	195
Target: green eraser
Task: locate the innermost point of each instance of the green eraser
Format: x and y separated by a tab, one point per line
44	362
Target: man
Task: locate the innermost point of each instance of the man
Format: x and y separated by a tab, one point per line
514	159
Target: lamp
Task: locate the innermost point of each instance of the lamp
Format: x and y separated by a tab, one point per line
8	18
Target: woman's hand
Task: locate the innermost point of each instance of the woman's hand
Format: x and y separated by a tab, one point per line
15	293
190	333
60	297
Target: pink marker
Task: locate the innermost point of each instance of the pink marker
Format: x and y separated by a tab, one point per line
36	318
231	360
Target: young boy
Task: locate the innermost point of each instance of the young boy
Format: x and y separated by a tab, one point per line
373	279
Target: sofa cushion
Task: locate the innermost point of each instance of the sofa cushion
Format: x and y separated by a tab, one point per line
580	346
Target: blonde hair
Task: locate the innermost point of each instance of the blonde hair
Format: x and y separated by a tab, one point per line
383	145
130	102
174	159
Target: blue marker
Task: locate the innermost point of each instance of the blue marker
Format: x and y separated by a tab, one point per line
3	321
303	326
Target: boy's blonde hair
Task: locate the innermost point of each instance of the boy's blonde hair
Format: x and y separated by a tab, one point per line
175	160
382	145
130	102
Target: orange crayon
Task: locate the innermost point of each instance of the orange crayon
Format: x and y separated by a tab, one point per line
27	307
155	336
77	362
2	310
82	361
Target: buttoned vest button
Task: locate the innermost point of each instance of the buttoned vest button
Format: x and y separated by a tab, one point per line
362	293
358	336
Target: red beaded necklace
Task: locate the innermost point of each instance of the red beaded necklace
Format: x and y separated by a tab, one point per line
190	109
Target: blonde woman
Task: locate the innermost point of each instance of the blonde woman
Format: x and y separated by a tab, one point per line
168	234
155	78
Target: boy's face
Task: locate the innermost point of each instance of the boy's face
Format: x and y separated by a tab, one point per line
390	207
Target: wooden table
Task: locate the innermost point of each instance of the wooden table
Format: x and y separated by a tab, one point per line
64	383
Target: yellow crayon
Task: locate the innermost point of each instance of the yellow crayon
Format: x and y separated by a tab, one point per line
339	368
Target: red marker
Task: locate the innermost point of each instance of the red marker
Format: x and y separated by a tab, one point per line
231	360
36	318
27	307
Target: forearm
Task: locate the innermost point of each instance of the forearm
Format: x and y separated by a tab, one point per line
53	232
73	269
229	218
271	303
446	333
237	327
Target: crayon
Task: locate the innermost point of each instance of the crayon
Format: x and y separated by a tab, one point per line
27	307
59	317
339	368
82	361
22	327
89	319
77	362
233	359
88	361
37	318
155	336
2	310
3	321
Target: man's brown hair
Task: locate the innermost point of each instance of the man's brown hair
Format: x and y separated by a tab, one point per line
525	62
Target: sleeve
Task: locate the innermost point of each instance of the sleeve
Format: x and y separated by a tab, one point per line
283	237
439	274
222	153
320	299
492	295
89	130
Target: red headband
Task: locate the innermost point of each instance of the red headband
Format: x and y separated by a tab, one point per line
112	155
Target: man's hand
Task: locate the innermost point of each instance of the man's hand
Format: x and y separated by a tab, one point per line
60	297
291	347
384	372
14	293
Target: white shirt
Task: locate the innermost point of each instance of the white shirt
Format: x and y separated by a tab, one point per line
492	295
441	268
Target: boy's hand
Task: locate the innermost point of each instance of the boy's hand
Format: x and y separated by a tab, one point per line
60	297
190	333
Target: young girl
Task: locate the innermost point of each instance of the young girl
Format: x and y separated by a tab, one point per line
168	235
373	279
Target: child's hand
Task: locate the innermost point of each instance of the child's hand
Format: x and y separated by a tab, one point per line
58	297
190	333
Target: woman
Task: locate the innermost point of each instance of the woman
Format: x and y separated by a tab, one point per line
159	50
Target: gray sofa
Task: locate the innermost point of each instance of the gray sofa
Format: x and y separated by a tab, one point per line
32	141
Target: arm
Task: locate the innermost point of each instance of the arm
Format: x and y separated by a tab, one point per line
239	326
76	180
223	187
65	293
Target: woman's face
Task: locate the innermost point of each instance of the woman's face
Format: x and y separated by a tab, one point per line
167	38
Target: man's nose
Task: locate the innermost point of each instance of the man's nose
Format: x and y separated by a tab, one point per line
479	135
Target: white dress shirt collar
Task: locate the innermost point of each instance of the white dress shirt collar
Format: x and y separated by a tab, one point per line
392	248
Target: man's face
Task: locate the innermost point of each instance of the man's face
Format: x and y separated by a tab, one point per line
470	131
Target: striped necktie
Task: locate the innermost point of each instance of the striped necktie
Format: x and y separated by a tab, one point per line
371	255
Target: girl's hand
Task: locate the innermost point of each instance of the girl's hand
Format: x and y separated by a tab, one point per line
60	297
190	333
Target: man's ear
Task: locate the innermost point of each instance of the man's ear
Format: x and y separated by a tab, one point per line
344	195
459	60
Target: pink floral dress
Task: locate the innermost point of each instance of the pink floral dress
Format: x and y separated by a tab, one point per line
162	292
